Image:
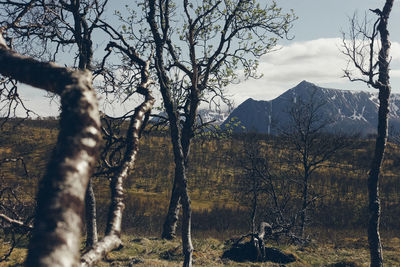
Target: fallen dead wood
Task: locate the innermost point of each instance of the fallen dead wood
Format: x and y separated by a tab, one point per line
255	250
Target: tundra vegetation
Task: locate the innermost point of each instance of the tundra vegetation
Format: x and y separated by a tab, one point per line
302	192
335	226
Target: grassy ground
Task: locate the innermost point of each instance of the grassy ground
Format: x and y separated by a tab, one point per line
208	252
213	175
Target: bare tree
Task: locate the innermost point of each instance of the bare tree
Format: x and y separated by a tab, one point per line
368	50
311	146
72	24
194	60
130	144
45	29
56	236
252	184
9	97
10	100
15	212
137	123
266	186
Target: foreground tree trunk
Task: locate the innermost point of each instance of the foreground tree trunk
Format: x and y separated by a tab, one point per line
60	201
91	220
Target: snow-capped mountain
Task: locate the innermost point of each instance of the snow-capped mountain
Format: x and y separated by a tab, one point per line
350	111
216	117
207	115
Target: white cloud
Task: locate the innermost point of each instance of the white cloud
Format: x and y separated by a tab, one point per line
318	61
395	74
395	51
37	101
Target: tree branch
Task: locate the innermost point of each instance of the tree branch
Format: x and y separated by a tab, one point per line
56	236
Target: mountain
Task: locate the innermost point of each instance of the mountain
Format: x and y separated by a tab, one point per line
349	111
216	117
207	115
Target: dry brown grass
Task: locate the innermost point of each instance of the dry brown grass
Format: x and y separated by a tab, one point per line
156	252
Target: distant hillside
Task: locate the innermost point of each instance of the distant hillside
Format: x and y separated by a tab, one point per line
351	111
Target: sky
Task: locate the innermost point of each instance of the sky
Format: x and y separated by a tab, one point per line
313	54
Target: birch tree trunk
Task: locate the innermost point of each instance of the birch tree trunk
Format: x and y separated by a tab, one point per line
186	225
369	66
138	121
182	191
303	214
176	135
91	220
254	210
112	239
60	201
171	220
205	69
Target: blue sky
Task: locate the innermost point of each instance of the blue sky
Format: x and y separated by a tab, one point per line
325	19
313	55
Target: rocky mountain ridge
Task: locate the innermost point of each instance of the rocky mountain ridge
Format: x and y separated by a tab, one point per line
351	112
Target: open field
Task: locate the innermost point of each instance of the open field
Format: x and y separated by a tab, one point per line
220	212
152	251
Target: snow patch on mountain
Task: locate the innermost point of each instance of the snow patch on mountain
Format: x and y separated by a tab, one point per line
215	117
350	111
204	116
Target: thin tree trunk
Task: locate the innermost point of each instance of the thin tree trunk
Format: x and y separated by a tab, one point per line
84	44
303	214
253	212
373	176
112	238
374	209
171	220
178	138
186	223
186	230
90	209
181	189
181	184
